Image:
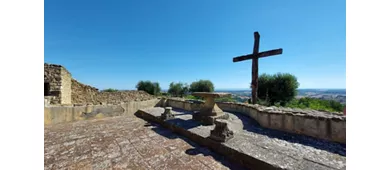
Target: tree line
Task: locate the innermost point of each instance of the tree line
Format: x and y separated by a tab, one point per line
278	89
178	89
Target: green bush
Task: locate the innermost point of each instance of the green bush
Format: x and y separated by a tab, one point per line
225	99
316	104
278	88
110	90
202	86
152	88
178	89
191	97
164	94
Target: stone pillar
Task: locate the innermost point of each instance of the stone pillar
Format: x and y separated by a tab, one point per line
163	102
210	110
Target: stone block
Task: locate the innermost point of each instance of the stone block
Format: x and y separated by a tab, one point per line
241	109
338	130
206	119
299	124
187	106
263	119
289	123
276	121
253	113
311	127
221	131
176	104
196	106
324	129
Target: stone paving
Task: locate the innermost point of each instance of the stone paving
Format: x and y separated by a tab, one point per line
124	143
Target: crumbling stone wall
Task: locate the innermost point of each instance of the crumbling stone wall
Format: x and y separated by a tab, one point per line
84	94
61	88
57	84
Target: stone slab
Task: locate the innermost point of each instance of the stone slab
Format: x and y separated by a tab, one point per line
257	147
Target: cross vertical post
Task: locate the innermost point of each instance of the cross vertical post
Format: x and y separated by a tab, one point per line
255	68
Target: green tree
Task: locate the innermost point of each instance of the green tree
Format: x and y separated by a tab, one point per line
202	86
178	89
265	83
110	90
278	88
152	88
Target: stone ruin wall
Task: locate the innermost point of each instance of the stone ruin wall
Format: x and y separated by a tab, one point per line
66	95
57	80
68	100
85	94
318	124
64	90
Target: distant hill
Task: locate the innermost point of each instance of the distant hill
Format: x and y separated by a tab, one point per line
325	94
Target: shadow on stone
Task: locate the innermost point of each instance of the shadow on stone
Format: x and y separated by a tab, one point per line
196	149
186	124
192	151
251	125
148	124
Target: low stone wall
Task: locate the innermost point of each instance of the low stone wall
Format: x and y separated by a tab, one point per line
318	124
60	114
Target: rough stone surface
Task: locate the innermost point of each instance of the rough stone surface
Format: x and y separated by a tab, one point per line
273	109
58	83
84	94
64	90
221	132
318	124
279	149
294	111
167	114
206	119
124	143
210	110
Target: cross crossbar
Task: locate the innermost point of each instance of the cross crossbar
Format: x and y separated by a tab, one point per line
258	55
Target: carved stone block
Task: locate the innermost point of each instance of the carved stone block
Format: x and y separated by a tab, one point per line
167	114
221	132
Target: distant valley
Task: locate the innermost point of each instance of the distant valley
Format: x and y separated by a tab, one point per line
325	94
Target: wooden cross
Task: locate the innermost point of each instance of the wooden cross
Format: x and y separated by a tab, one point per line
255	56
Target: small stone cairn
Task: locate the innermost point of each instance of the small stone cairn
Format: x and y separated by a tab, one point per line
167	115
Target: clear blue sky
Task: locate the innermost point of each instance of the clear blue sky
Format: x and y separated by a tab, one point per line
114	44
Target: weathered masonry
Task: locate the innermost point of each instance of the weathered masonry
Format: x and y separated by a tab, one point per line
58	83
